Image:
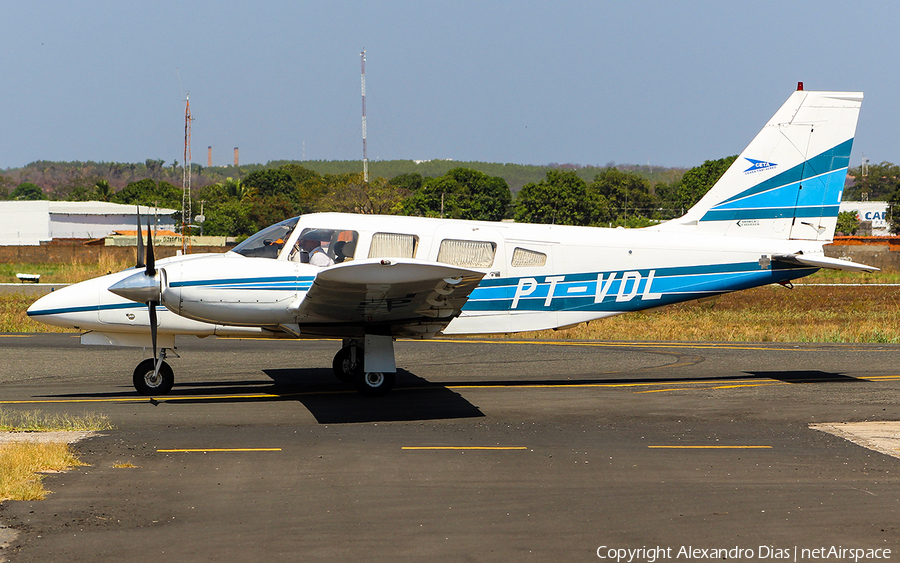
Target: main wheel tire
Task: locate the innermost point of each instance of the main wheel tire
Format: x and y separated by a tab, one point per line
146	384
374	383
343	369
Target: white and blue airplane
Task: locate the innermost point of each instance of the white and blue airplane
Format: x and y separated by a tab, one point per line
370	279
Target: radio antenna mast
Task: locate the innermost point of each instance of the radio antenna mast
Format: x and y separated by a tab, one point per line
186	180
365	153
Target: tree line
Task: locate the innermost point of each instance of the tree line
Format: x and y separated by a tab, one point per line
239	206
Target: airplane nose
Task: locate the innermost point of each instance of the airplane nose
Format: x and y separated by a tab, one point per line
140	287
64	307
47	304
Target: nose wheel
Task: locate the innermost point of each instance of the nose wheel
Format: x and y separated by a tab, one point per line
149	381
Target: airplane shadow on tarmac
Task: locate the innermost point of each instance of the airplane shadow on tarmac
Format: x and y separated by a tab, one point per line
328	400
806	376
413	397
438	402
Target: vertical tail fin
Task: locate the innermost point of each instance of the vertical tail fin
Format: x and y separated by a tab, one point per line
787	184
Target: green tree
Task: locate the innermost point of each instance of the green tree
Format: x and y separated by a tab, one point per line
627	195
378	196
103	190
236	189
562	198
461	193
698	180
148	192
879	183
231	218
27	191
847	222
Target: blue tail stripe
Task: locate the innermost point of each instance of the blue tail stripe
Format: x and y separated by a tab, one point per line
835	159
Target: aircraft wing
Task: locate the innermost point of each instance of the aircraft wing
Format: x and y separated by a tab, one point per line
405	297
822	261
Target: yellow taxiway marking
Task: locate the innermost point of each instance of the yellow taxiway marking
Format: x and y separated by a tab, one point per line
167	399
701	345
710	447
192	450
464	448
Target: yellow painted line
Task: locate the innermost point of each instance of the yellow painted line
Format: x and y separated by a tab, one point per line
221	450
750	385
464	448
16	335
710	447
701	345
167	399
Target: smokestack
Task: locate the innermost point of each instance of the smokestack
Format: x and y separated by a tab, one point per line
235	157
209	157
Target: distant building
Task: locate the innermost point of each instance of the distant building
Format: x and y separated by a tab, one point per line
31	223
874	211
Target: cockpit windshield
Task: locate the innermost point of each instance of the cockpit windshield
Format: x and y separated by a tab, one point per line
268	242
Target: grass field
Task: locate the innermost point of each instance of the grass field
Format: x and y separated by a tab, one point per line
22	462
807	313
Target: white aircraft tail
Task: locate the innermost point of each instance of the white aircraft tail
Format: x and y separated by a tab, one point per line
788	183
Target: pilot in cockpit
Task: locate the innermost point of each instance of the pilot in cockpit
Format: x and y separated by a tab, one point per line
311	251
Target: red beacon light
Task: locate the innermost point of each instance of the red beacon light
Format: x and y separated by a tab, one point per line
799	86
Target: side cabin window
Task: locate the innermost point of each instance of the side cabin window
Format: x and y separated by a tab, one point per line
524	258
467	253
324	247
393	245
268	242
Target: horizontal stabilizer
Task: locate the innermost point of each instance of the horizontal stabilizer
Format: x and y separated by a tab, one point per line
822	261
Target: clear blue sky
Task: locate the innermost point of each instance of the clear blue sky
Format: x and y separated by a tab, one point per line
669	83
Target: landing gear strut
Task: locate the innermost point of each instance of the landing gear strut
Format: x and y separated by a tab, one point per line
349	366
150	381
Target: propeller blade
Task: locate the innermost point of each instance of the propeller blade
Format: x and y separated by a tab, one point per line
152	306
140	241
151	262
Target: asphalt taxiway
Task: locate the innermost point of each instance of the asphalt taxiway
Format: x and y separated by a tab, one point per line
487	450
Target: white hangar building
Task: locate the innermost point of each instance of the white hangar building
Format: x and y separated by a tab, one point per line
31	223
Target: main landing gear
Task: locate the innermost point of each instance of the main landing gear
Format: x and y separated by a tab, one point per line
350	362
150	380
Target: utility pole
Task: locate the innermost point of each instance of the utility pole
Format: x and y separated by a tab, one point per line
365	153
186	180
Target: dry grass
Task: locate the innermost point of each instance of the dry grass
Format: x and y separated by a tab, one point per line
22	462
37	421
14	319
14	305
71	272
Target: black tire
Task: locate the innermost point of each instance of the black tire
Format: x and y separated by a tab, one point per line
374	384
146	385
341	364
